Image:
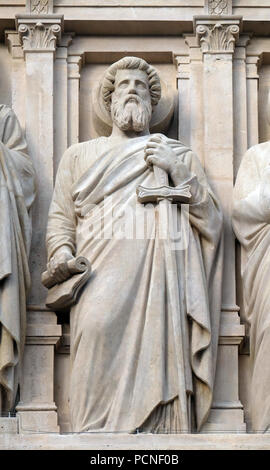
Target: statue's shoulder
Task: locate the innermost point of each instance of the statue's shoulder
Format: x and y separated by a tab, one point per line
255	158
75	150
258	151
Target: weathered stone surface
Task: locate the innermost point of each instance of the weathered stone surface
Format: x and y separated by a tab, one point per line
216	81
17	179
8	425
129	90
251	225
230	441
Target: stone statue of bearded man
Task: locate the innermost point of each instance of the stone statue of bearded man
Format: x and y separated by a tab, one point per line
124	357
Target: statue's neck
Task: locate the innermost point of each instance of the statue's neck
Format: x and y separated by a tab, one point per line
120	135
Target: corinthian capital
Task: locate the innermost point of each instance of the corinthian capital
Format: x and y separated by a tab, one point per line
39	33
217	35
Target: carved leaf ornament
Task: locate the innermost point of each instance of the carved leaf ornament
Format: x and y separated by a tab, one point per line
217	7
39	36
218	38
39	6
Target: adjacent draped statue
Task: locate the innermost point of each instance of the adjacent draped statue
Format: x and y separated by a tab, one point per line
125	351
251	222
17	192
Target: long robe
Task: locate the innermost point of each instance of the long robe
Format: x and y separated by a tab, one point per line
17	192
251	222
124	369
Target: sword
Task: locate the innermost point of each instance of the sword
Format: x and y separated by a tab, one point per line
164	195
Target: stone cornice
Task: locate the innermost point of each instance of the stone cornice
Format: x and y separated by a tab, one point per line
13	43
39	33
182	63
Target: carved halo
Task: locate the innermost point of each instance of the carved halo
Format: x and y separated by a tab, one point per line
161	117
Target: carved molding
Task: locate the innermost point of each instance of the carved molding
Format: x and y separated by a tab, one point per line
253	63
182	63
39	7
13	43
75	63
218	7
217	37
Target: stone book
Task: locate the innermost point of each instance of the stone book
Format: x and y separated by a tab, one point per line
62	296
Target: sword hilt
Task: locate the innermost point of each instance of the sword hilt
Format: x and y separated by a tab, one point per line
161	176
163	190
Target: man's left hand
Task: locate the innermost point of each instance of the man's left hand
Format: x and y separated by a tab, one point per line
159	153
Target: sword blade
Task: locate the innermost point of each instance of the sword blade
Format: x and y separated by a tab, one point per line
173	299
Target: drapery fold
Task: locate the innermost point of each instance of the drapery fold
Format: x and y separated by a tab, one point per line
123	351
17	192
251	219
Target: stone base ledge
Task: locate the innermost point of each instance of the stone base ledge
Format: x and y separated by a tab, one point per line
54	441
8	426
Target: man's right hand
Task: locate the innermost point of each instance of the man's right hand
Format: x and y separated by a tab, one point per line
57	266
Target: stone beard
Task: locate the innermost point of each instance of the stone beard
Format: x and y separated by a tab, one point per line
131	113
125	372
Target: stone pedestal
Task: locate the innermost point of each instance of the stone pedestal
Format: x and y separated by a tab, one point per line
227	410
36	410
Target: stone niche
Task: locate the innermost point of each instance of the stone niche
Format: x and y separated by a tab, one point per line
214	62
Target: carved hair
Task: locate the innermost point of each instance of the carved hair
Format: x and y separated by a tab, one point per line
131	63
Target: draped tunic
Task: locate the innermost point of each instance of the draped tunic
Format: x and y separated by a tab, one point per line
124	358
251	222
17	192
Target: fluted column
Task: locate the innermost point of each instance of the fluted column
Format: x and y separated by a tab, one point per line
240	101
61	101
252	63
74	68
196	111
183	86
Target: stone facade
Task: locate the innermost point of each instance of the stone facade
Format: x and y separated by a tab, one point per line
214	57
